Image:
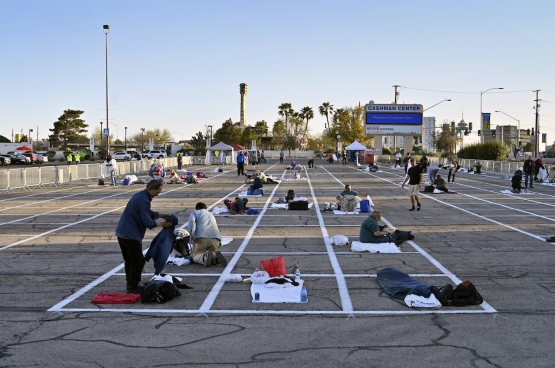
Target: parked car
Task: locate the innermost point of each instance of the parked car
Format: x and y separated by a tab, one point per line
42	158
17	159
33	157
155	154
122	155
5	161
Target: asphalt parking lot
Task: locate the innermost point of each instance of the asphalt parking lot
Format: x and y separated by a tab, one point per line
58	249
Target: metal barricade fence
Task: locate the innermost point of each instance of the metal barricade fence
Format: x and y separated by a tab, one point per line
188	160
73	174
5	181
32	177
48	176
62	174
17	179
82	172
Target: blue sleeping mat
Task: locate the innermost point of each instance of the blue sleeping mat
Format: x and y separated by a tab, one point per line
398	284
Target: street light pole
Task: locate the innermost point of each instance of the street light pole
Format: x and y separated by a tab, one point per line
106	30
101	135
518	132
481	116
142	140
125	139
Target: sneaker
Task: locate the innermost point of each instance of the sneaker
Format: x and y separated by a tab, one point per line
399	242
418	208
221	259
412	209
207	259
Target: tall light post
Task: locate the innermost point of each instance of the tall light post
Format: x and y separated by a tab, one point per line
142	140
337	143
518	132
125	139
447	99
106	30
101	134
29	136
481	116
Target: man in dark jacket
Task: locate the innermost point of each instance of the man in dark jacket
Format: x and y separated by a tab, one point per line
528	169
134	221
240	164
424	163
257	185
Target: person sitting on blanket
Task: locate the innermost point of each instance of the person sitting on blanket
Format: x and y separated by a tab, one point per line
440	184
206	237
174	178
239	206
516	181
478	168
373	167
265	179
346	192
372	232
257	185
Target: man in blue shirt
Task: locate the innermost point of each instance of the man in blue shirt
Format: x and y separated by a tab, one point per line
257	185
371	232
240	164
134	221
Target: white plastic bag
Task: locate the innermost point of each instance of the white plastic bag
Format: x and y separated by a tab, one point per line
340	240
234	278
260	277
370	201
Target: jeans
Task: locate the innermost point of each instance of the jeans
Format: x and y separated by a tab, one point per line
240	168
451	172
238	206
113	177
311	163
432	176
281	160
258	191
531	176
178	165
383	239
132	252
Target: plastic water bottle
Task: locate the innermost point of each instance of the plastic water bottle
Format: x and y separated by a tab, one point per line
304	295
297	275
255	271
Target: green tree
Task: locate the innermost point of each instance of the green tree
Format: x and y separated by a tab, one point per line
529	147
308	114
198	141
261	127
325	110
160	136
229	133
350	125
285	110
68	127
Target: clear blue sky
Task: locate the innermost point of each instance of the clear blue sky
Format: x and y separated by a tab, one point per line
178	64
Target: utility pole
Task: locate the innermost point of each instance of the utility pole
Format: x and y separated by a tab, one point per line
396	99
537	123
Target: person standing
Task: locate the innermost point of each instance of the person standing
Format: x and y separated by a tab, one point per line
179	160
528	169
77	159
453	167
136	218
537	164
206	237
281	155
112	166
406	162
424	162
254	160
414	176
344	157
240	164
262	157
398	159
69	159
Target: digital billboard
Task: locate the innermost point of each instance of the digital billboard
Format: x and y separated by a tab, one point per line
393	119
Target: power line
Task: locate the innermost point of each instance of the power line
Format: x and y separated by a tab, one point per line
435	90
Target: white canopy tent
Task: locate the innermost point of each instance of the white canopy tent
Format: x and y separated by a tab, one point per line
355	146
219	147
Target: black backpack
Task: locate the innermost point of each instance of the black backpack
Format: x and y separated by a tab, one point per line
466	294
298	205
100	181
181	245
290	195
429	189
159	291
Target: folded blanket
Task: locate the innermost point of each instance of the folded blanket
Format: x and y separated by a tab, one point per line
413	300
116	298
374	247
178	261
220	210
521	192
436	191
244	194
279	205
338	212
271	294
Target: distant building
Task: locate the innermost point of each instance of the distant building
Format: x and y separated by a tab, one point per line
429	129
505	133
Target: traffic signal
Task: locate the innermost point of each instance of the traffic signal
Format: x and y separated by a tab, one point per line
528	131
479	133
532	131
470	126
466	132
452	125
493	133
520	144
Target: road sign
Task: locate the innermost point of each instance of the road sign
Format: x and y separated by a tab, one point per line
511	137
461	128
106	132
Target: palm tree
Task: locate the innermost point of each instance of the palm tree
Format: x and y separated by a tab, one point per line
285	110
325	109
307	113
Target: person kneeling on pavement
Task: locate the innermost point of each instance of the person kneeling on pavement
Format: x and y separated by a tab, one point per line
238	206
516	181
206	237
257	185
131	229
372	232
